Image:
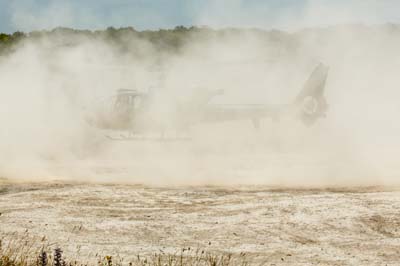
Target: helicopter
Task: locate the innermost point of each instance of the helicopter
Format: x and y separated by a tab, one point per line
136	113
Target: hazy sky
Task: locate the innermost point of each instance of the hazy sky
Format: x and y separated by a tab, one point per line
28	15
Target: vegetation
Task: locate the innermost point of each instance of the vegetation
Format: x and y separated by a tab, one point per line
25	253
128	39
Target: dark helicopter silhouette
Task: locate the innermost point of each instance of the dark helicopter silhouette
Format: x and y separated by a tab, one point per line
139	112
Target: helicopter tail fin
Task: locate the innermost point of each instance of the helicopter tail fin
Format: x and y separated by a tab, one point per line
310	102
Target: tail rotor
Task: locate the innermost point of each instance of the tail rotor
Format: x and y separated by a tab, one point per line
311	103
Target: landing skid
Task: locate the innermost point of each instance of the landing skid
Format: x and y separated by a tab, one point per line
136	137
159	139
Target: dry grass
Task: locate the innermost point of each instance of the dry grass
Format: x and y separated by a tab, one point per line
27	251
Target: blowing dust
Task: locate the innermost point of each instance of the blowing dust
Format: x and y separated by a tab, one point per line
50	85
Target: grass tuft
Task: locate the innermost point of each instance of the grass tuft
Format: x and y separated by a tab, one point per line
21	253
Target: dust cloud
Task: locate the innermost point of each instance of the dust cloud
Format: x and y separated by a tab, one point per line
50	85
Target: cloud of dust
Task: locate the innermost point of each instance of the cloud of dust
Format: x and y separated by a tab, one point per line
49	85
296	14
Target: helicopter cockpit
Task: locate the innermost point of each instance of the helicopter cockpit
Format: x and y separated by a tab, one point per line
127	100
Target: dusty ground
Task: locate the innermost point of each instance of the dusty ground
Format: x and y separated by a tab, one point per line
282	227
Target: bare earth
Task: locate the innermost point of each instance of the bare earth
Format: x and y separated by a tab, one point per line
275	226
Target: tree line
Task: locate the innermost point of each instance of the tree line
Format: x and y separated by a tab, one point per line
167	40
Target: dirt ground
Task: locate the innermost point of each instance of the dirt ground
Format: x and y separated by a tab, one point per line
275	226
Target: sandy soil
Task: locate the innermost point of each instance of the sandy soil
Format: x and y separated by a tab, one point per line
282	227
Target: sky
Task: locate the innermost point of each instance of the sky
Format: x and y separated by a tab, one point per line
28	15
